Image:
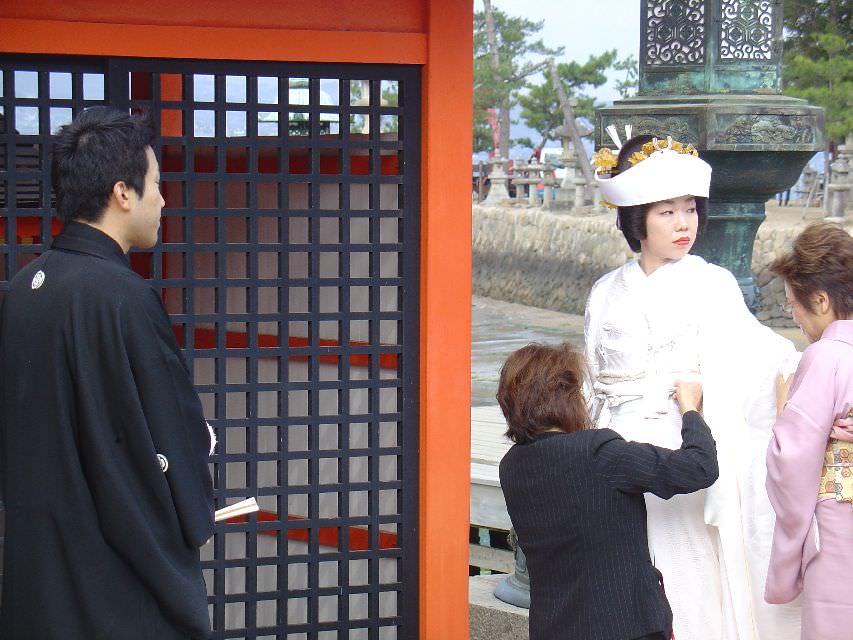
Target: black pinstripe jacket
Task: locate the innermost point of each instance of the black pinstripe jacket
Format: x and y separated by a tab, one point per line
576	502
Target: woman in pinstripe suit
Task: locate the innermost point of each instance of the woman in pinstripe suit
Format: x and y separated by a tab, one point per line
575	497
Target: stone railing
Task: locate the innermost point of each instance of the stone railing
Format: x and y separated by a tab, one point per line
534	257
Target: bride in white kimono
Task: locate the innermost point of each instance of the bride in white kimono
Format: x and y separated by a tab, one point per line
669	315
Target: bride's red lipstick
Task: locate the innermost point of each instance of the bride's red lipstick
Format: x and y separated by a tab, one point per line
682	242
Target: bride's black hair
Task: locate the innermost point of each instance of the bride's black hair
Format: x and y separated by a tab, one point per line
632	220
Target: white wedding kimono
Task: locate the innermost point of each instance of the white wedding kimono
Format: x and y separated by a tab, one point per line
688	320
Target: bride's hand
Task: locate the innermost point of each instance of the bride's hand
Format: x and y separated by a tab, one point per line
688	394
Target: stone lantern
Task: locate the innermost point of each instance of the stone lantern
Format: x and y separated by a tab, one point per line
841	186
710	74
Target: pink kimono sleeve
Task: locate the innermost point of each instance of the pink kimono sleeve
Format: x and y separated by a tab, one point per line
794	463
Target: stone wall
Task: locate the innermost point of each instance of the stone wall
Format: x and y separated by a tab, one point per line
772	241
551	260
534	257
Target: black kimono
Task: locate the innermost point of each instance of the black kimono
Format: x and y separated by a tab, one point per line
104	452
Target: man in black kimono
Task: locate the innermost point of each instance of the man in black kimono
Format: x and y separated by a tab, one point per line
104	444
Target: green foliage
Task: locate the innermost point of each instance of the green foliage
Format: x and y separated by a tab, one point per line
482	137
818	63
498	86
631	67
826	81
540	107
524	141
540	110
805	19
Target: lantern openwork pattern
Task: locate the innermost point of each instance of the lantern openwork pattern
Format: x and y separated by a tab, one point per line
746	30
675	32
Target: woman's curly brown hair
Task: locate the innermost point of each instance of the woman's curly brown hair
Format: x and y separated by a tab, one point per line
821	259
541	388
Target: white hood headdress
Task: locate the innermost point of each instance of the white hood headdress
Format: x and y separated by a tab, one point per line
660	171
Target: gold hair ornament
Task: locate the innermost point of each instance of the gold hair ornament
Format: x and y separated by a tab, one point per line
604	160
659	145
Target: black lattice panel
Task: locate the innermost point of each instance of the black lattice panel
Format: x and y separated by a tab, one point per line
37	96
289	266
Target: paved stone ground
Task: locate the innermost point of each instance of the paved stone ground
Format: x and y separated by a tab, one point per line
499	328
792	215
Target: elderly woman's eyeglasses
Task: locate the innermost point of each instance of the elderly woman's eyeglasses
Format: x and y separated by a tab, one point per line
786	306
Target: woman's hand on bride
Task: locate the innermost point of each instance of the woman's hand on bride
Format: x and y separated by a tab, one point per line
782	387
688	395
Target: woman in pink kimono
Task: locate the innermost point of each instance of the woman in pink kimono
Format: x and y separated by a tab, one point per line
810	457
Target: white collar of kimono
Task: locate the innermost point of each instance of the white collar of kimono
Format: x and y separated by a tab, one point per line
687	268
665	174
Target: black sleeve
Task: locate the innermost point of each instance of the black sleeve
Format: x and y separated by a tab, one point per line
2	423
636	467
139	402
173	414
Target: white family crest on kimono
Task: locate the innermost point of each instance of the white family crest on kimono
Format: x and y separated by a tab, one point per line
687	320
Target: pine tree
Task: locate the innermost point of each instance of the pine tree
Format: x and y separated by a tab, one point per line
504	58
540	106
818	64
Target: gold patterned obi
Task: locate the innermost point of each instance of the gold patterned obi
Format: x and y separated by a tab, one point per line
836	479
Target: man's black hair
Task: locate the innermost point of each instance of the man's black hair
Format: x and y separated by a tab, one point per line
632	220
100	147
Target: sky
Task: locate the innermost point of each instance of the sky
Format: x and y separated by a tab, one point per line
583	28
